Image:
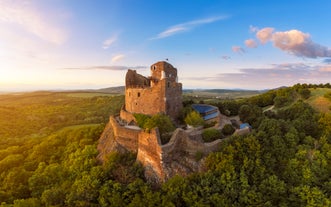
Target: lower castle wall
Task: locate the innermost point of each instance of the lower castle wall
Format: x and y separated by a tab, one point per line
150	154
156	158
180	141
127	116
127	137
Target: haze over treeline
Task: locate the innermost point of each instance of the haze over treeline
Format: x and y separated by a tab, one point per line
48	153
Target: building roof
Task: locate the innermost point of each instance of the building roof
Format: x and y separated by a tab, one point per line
204	108
245	125
206	111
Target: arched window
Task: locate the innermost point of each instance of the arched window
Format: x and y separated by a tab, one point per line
138	94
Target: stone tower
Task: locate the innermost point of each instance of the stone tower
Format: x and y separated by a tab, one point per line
159	93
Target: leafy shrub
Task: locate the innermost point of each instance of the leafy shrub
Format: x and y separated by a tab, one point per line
304	93
209	124
228	129
161	121
194	119
141	119
211	134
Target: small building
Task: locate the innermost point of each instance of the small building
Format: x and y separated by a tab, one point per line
245	125
209	113
244	129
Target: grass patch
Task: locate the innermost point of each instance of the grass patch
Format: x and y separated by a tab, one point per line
318	100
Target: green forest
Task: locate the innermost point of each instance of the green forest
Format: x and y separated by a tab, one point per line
48	150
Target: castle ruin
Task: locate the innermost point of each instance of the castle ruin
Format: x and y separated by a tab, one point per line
159	93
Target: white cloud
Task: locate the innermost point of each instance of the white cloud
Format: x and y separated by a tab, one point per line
108	42
186	26
27	17
251	43
117	58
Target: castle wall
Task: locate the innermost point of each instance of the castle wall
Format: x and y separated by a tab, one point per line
127	116
145	100
162	93
124	136
173	96
150	155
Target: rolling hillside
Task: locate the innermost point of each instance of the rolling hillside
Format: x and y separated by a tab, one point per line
318	100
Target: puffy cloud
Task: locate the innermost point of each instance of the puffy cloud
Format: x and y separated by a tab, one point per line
264	35
117	58
251	43
294	42
108	42
238	49
299	44
186	26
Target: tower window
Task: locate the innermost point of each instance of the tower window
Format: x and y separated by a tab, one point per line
138	94
168	84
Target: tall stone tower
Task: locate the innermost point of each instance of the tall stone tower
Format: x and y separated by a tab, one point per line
159	93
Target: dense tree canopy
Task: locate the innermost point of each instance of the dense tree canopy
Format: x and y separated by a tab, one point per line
48	156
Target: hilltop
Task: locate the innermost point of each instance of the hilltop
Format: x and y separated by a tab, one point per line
49	140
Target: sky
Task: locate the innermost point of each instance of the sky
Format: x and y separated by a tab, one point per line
90	44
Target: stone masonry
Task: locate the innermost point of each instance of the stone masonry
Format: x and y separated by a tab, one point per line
159	93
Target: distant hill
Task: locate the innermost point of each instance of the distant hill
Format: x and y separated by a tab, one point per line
221	93
117	89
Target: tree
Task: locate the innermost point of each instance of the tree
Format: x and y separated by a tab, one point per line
194	119
304	93
251	114
162	122
211	134
228	129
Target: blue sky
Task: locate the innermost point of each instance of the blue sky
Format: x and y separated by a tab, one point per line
75	44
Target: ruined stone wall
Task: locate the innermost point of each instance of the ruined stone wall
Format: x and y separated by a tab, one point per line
145	100
126	137
163	94
180	141
133	79
150	155
127	116
173	95
162	162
